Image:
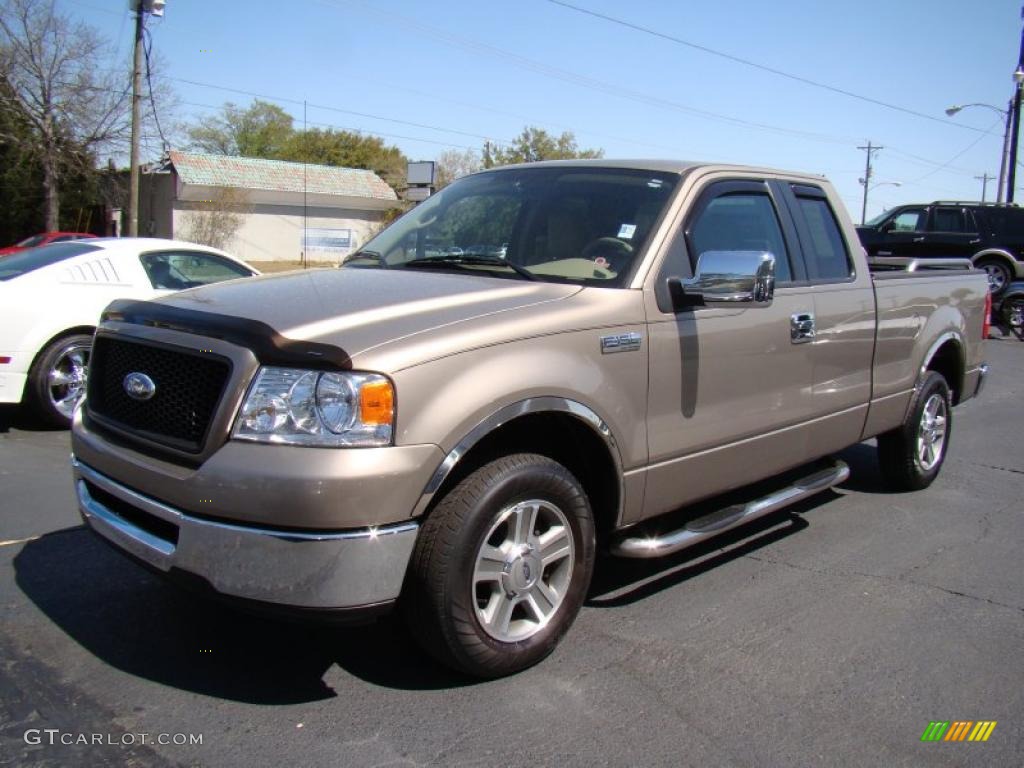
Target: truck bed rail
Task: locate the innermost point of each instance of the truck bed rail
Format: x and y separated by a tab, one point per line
905	264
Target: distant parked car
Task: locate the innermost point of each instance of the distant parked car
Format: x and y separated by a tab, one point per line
44	239
51	298
989	234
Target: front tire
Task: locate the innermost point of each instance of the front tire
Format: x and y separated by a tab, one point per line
57	378
501	566
912	455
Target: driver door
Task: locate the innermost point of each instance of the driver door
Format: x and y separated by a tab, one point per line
730	388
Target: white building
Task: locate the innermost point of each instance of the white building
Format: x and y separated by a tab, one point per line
289	211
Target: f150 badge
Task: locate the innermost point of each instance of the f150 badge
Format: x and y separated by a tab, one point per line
620	342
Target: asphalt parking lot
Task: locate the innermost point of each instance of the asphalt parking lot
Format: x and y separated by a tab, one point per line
830	635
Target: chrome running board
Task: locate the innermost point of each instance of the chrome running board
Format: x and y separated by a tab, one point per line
726	519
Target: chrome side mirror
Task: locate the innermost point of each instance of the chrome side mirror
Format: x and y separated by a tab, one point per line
737	278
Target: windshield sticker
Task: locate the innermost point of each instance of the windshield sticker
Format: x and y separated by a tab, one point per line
626	231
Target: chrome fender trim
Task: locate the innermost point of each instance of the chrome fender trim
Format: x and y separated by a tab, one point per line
936	345
509	413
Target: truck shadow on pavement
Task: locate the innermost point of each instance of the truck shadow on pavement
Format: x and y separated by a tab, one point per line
140	624
21	418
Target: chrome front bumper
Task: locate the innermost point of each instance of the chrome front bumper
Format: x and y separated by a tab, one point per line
347	569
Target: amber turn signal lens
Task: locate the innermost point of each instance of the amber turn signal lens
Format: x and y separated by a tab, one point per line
377	403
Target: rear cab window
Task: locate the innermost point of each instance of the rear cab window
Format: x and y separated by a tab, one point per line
22	263
824	247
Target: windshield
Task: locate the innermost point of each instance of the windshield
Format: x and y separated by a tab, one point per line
580	225
24	262
878	219
28	242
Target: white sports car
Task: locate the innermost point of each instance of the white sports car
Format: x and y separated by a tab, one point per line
51	299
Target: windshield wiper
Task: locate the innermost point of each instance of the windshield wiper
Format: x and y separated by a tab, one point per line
460	260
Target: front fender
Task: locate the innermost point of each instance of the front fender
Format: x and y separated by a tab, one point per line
455	401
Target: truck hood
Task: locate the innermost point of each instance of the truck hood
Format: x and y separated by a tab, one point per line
357	309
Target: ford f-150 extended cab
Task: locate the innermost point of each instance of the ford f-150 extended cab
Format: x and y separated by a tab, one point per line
536	362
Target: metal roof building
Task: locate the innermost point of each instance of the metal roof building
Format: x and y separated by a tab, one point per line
274	210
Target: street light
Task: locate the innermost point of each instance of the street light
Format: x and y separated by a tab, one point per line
867	189
1006	114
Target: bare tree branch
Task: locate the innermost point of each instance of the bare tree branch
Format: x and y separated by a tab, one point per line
56	83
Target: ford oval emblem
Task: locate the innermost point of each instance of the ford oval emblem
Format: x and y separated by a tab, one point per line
139	386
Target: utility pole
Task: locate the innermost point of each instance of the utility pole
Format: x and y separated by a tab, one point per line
866	181
133	187
141	8
984	179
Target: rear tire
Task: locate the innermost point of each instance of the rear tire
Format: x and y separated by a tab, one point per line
999	274
57	378
501	566
912	455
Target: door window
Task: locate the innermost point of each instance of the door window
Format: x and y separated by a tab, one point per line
910	220
177	270
740	221
950	220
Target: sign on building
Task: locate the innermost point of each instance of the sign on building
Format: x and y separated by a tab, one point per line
330	241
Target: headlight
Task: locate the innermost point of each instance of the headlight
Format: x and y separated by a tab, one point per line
300	407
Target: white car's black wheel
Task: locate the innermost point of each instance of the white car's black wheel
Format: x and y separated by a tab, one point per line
502	566
912	455
57	379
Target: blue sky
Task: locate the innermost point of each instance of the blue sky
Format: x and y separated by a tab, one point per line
430	76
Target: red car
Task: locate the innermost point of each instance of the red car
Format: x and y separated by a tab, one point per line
44	239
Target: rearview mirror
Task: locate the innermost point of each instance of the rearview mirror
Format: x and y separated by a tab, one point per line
737	278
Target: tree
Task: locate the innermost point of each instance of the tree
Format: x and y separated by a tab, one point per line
347	150
453	164
535	144
214	222
54	87
261	130
265	130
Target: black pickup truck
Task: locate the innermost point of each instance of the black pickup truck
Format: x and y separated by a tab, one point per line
989	234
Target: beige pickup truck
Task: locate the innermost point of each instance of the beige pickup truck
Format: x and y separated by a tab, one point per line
537	363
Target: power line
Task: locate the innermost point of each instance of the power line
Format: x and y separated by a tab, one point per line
437	33
147	42
329	108
963	151
358	131
762	67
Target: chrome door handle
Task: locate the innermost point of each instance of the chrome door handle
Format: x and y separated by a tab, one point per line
801	328
919	239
